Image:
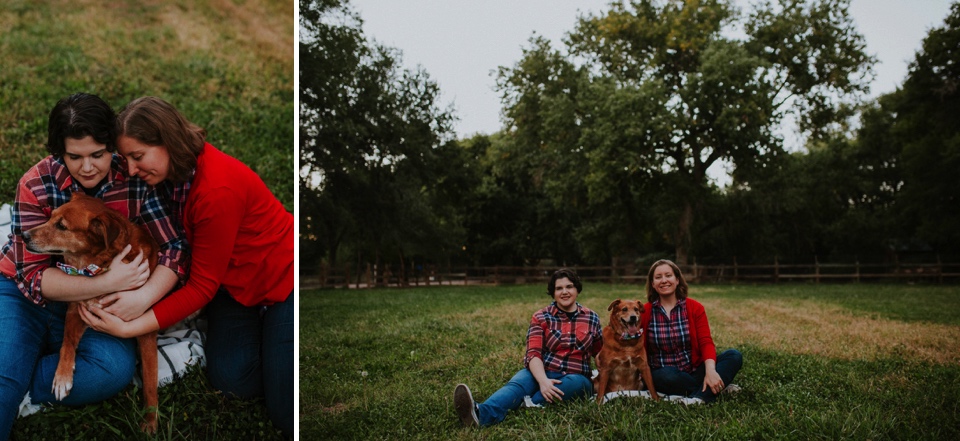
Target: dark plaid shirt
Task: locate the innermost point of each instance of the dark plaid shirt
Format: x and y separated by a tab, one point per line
565	342
670	337
48	185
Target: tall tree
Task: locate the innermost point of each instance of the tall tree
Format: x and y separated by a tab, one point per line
651	94
913	140
371	142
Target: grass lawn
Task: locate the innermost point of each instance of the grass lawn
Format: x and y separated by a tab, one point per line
820	362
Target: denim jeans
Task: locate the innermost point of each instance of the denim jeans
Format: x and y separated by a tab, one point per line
30	340
510	396
250	354
672	381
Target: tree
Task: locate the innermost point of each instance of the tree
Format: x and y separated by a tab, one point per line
651	94
913	141
372	142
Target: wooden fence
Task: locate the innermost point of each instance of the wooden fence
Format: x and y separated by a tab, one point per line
371	276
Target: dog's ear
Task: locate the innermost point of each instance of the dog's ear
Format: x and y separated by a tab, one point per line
106	227
613	305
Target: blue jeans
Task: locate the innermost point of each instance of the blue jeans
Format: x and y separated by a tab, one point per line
30	340
672	381
510	396
250	354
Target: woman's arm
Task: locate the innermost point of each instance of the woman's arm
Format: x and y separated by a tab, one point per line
128	305
103	321
60	286
548	387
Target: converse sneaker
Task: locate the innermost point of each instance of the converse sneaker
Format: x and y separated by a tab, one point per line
731	390
465	406
691	401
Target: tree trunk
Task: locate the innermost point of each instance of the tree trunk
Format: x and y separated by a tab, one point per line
683	239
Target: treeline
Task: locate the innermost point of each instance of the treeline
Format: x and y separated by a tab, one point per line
605	151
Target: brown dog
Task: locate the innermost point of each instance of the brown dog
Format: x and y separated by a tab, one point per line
85	231
623	360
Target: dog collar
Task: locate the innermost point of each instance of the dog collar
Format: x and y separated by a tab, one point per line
629	336
90	271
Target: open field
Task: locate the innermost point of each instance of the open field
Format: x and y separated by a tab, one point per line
820	362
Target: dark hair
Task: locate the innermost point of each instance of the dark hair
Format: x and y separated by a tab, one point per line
682	287
78	116
156	122
561	273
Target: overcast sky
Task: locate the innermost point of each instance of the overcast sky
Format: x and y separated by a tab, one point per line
460	43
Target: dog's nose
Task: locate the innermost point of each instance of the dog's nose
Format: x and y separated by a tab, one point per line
26	236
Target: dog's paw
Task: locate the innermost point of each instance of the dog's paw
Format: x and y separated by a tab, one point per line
149	425
61	387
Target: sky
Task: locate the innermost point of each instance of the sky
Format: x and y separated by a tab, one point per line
461	43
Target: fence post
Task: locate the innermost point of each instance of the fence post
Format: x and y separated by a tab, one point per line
939	270
736	269
776	269
816	270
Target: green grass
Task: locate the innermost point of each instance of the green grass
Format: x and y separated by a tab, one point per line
227	66
188	410
415	345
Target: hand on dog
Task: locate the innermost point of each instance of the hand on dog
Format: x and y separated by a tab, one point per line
550	391
127	305
98	319
127	276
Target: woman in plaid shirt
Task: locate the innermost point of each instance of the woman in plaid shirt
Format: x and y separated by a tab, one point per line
34	292
680	349
560	341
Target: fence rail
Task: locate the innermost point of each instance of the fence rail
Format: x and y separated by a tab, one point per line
372	276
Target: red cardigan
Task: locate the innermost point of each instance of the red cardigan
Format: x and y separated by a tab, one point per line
240	238
702	347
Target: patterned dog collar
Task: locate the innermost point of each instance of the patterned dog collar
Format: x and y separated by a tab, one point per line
90	271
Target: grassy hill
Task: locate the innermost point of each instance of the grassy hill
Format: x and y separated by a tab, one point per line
226	64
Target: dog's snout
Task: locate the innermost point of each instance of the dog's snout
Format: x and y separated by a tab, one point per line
26	236
633	319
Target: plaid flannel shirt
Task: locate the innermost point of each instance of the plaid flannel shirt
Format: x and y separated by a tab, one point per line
48	185
669	338
564	343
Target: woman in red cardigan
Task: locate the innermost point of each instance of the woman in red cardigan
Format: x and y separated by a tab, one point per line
679	346
241	246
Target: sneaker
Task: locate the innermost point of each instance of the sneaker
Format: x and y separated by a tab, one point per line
465	406
731	390
691	401
26	407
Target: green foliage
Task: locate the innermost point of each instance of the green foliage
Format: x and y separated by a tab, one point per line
649	95
374	147
189	410
225	70
415	345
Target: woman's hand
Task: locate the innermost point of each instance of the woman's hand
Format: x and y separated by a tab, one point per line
713	381
550	391
127	276
126	305
100	320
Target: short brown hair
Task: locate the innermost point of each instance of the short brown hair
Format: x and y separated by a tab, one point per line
78	116
561	273
156	122
682	287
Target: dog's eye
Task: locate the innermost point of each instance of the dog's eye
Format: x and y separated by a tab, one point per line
61	226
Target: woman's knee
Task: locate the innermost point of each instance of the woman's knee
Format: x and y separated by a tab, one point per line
243	381
731	356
